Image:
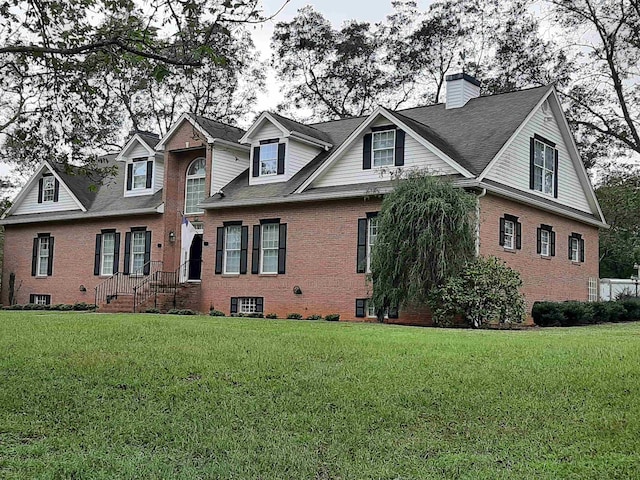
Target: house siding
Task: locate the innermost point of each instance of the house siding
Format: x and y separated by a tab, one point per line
139	151
348	169
512	167
227	164
553	278
158	174
73	256
30	202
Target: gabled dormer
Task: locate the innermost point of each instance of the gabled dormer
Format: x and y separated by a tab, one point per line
144	167
46	191
281	147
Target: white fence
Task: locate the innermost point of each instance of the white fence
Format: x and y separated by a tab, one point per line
612	287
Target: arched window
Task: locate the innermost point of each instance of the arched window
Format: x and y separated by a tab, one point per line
194	189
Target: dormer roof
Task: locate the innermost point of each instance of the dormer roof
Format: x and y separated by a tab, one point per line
289	128
212	130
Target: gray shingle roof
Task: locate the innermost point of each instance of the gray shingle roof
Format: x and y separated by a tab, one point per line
471	135
218	129
298	127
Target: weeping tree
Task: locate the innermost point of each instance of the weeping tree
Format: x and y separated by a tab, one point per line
426	233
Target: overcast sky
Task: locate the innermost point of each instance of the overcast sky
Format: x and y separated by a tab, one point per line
336	11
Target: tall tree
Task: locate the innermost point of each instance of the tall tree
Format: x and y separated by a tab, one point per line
604	38
72	72
619	197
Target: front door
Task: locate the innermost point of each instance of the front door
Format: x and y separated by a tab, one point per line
195	258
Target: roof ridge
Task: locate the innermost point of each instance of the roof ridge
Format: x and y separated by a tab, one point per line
308	125
215	121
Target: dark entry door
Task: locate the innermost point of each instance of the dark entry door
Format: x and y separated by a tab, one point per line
195	258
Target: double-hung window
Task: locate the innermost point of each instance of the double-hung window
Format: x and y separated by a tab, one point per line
138	247
269	248
108	251
247	305
48	188
372	234
510	232
40	299
139	173
383	148
546	241
576	247
268	159
44	244
544	166
232	247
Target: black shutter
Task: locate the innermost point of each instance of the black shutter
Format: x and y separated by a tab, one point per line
147	252
393	312
96	262
50	262
256	162
149	173
555	176
281	151
259	305
553	243
360	304
282	249
116	253
32	298
532	163
244	241
518	235
56	190
127	253
539	241
129	176
366	152
219	249
34	257
255	254
399	160
570	237
501	236
40	183
581	248
361	266
234	305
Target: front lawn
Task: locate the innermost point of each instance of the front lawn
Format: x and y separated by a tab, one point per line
146	396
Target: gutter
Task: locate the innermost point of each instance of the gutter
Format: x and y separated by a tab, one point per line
16	220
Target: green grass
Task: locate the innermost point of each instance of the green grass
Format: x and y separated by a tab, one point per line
122	396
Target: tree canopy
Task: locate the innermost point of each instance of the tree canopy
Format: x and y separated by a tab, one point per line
75	74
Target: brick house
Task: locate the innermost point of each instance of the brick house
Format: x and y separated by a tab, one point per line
282	216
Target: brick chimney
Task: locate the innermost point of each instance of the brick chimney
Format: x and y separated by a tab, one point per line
460	89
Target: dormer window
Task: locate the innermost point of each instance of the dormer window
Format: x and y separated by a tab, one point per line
139	174
48	188
268	158
195	185
543	166
384	144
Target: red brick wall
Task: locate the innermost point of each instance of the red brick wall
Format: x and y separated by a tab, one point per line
321	259
73	257
549	278
176	164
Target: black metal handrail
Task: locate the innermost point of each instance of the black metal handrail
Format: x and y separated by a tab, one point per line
167	282
121	284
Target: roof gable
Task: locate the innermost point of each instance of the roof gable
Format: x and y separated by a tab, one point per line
210	129
287	128
144	140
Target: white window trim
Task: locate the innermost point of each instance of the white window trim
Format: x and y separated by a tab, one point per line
133	174
261	158
510	238
48	189
133	255
370	310
226	249
41	299
263	249
393	149
43	260
186	186
543	244
102	255
370	242
247	305
544	168
575	242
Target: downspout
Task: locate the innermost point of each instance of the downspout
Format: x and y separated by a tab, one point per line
484	192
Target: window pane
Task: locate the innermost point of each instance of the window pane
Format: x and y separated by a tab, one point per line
270	261
544	242
508	234
270	235
197	168
233	261
537	178
270	243
108	248
48	189
549	158
548	182
140	174
268	159
43	256
383	148
137	252
232	249
538	157
233	237
195	194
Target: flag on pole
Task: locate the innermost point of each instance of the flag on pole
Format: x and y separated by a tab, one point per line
188	232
